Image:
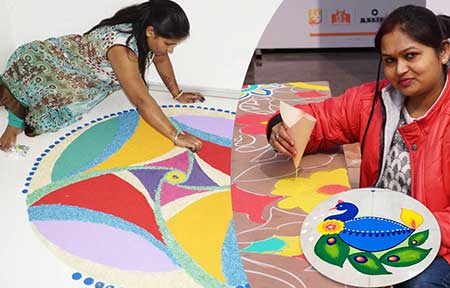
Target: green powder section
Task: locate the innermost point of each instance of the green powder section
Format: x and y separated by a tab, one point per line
82	153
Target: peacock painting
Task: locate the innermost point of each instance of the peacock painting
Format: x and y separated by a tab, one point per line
370	242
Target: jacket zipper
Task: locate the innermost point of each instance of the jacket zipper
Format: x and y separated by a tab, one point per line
411	161
381	159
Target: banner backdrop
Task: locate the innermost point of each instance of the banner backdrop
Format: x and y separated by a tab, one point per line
327	23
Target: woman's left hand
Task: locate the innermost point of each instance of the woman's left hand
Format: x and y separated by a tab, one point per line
191	97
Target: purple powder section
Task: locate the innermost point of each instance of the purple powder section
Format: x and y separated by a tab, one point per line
198	177
171	192
180	162
222	127
150	179
106	245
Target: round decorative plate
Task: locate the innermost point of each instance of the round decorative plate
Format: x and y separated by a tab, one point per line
370	237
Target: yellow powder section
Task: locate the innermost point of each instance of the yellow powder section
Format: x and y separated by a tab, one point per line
304	193
207	222
145	144
309	86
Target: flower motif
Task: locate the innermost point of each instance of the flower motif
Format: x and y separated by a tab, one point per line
307	193
254	124
330	227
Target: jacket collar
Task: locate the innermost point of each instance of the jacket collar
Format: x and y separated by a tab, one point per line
393	102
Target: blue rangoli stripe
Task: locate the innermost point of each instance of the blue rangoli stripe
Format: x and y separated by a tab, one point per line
205	136
232	267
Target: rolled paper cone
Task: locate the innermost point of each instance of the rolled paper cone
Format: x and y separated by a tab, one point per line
301	132
300	128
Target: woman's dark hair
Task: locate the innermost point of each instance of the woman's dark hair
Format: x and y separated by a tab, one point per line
419	23
167	18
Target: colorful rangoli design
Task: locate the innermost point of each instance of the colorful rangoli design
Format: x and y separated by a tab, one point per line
272	207
258	90
119	202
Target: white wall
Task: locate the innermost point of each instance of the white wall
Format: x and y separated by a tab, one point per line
6	44
224	33
293	27
439	6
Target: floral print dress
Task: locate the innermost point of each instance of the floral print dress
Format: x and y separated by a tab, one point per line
60	79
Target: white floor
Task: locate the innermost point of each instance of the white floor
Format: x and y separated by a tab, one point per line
23	258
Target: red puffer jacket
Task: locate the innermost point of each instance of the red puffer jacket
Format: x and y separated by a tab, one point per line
342	120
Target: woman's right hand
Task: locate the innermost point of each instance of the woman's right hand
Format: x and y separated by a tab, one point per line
188	141
191	97
281	141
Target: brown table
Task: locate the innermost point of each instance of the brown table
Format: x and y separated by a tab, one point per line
269	203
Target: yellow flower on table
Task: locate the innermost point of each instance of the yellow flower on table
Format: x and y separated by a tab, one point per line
307	193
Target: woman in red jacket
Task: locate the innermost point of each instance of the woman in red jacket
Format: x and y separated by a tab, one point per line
402	123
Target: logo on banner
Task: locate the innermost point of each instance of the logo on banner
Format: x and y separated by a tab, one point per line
341	17
374	18
315	16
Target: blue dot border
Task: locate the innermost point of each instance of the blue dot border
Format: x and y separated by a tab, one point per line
47	150
198	107
91	282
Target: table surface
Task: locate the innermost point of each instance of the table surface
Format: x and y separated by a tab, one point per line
269	201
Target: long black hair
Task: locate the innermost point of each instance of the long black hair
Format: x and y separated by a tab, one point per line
167	18
419	23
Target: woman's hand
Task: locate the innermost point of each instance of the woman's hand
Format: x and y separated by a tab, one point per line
190	97
125	66
281	141
189	142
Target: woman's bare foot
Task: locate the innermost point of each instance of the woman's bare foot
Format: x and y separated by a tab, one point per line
8	139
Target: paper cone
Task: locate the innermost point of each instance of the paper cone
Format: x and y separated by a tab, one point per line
300	128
